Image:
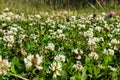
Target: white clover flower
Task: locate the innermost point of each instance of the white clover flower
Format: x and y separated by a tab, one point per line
33	36
96	39
105	51
38	59
8	18
32	60
114	41
8	38
56	67
81	51
78	57
93	55
62	26
103	13
4	66
111	51
101	66
23	52
110	35
75	51
82	26
101	39
50	46
98	28
38	16
61	36
91	42
73	17
6	32
89	33
108	51
22	36
60	58
112	68
59	31
78	67
28	61
17	16
13	29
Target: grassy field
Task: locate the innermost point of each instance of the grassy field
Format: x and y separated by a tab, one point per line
41	43
60	45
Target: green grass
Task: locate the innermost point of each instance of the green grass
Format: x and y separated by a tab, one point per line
28	7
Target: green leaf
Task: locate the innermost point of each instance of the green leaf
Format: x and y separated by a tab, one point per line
107	59
72	78
87	60
15	60
84	75
96	71
114	76
13	69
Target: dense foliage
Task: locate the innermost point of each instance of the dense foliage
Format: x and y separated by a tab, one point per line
59	46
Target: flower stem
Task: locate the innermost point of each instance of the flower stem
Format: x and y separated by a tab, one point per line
18	76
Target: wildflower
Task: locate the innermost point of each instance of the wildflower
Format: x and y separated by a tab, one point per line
73	17
100	66
111	14
28	61
112	68
101	39
4	66
38	59
8	38
32	60
13	29
59	31
78	66
98	28
103	14
50	46
75	51
37	16
60	58
109	52
89	33
92	44
93	55
61	36
33	36
23	52
81	51
56	67
78	57
114	41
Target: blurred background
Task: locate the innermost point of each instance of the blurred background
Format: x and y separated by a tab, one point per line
48	5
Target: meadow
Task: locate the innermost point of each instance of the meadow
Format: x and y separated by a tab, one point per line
59	45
